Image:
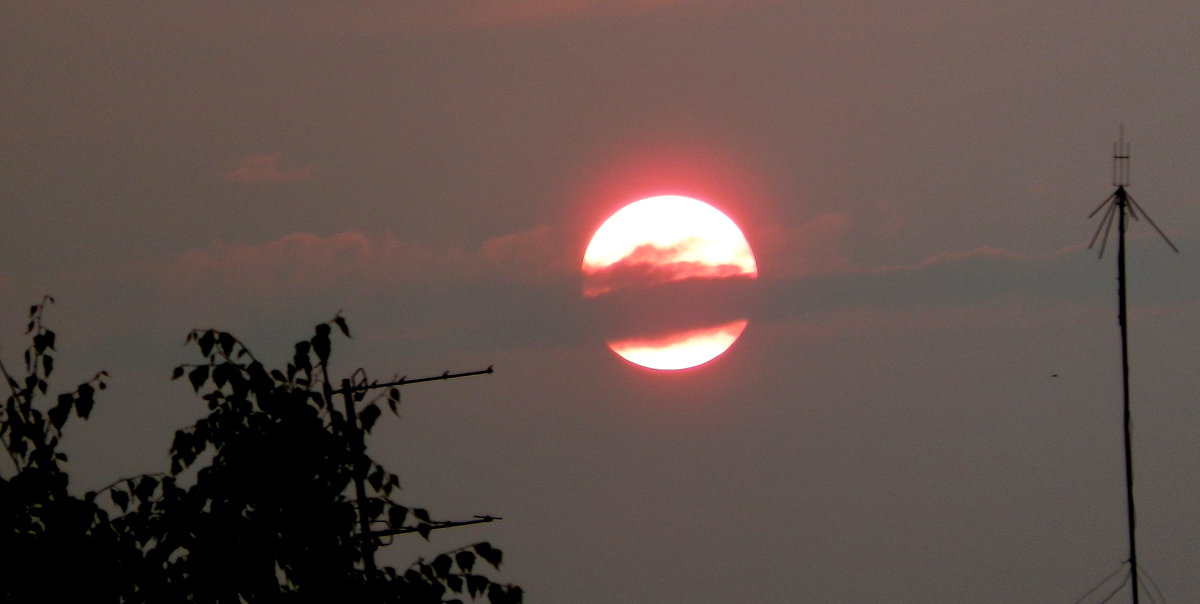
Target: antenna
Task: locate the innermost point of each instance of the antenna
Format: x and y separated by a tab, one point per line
1116	207
1121	202
367	537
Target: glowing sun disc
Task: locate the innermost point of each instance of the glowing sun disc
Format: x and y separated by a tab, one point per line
659	240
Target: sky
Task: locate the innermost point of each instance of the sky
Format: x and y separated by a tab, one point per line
924	407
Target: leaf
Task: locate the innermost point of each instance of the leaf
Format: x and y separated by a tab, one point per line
198	376
83	407
206	342
177	373
397	514
393	400
441	565
220	374
489	553
421	514
320	343
58	415
368	416
341	323
47	365
424	530
465	560
455	583
145	488
226	341
476	585
121	498
427	571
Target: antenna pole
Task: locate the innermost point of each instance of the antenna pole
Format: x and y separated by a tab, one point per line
367	543
1121	202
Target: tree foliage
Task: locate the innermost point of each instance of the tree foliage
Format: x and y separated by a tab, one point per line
255	505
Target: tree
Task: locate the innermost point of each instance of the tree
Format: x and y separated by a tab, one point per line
47	534
253	509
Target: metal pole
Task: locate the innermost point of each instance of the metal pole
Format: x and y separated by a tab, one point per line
1121	318
360	487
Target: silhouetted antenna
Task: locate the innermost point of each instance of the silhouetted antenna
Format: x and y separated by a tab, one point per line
368	538
1116	207
1121	202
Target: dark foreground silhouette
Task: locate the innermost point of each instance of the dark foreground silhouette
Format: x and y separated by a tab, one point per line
253	509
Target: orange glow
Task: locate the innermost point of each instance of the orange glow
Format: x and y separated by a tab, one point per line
680	350
660	240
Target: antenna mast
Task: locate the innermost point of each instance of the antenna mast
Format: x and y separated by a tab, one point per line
1117	206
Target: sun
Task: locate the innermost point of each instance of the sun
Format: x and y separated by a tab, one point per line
660	240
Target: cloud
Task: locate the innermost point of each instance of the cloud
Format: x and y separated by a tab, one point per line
671	307
264	168
535	253
981	277
649	265
354	263
680	350
815	247
981	252
507	290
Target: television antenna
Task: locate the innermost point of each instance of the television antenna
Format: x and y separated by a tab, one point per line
1115	209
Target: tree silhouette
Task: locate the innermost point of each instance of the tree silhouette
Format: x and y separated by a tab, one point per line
253	509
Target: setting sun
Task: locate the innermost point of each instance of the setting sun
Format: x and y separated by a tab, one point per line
660	240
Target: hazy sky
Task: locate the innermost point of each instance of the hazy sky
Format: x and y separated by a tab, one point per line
914	178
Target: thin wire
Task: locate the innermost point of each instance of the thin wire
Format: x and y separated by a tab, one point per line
1150	580
1106	579
1151	221
1118	589
1105	226
1146	591
1102	204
